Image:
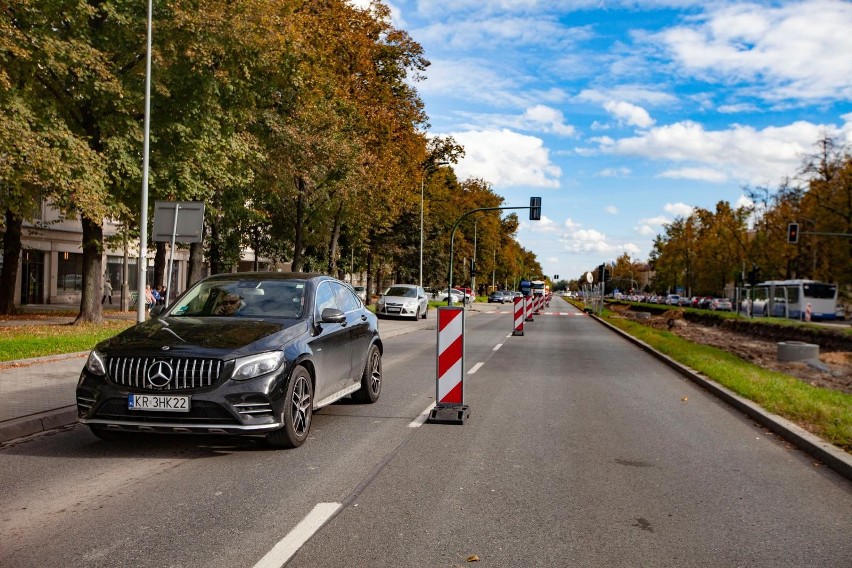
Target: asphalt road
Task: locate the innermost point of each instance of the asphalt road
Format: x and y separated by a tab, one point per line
581	450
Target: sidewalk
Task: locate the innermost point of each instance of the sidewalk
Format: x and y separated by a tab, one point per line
39	394
44	314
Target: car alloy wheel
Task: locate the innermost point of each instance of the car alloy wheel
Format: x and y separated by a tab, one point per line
371	379
298	411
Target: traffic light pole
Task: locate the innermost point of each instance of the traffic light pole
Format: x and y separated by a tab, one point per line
532	207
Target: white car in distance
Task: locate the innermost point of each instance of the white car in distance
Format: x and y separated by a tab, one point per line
403	300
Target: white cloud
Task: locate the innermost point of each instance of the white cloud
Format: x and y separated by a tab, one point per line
537	118
740	153
505	159
611	209
590	241
799	50
738	108
571	224
543	225
743	201
474	80
651	226
487	33
700	174
629	113
631	93
679	209
614	172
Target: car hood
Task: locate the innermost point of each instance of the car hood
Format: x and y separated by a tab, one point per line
204	337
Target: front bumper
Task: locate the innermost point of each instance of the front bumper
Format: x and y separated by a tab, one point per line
396	310
253	406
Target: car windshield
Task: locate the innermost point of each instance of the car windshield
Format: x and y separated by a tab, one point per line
401	291
242	298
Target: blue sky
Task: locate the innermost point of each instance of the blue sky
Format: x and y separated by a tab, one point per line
623	115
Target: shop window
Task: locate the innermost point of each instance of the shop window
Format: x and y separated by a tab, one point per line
69	274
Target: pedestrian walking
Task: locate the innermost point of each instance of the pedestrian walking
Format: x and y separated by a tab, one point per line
107	291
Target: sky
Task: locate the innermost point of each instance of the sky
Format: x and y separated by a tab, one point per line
623	115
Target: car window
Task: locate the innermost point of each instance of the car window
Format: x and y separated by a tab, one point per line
403	291
325	298
346	300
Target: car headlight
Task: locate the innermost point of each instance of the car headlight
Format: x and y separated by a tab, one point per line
256	365
95	364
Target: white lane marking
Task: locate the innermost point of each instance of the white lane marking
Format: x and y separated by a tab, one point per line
421	418
510	335
290	544
475	368
498	346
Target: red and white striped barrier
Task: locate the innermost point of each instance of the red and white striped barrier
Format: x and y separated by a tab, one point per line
520	312
449	386
537	305
808	311
528	307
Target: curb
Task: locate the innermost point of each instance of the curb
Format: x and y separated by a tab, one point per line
41	422
816	447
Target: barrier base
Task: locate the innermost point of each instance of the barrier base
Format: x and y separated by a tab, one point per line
449	415
517	333
529	319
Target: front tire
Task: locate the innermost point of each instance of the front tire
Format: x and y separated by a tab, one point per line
298	411
371	379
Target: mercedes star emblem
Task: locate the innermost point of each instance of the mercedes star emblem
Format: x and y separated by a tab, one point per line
160	374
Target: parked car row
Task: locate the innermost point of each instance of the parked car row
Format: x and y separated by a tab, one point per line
701	302
503	296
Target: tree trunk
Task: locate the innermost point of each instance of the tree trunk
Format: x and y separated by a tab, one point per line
215	257
160	266
335	237
11	257
196	266
299	224
93	282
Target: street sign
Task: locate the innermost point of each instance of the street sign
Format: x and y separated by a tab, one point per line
189	225
590	278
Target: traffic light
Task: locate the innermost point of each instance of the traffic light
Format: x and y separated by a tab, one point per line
556	277
535	208
793	233
472	268
754	275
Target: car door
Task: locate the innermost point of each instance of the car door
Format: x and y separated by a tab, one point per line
358	325
331	346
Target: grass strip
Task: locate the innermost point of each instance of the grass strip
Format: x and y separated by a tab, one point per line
28	341
824	412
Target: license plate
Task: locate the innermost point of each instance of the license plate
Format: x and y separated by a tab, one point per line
158	402
394	309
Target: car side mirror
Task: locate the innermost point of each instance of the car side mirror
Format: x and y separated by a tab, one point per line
332	315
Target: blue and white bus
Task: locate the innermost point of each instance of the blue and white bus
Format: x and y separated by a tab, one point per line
791	298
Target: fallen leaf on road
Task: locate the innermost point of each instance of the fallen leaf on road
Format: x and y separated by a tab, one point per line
684	399
473	558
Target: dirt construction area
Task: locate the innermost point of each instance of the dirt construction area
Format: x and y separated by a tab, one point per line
833	370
